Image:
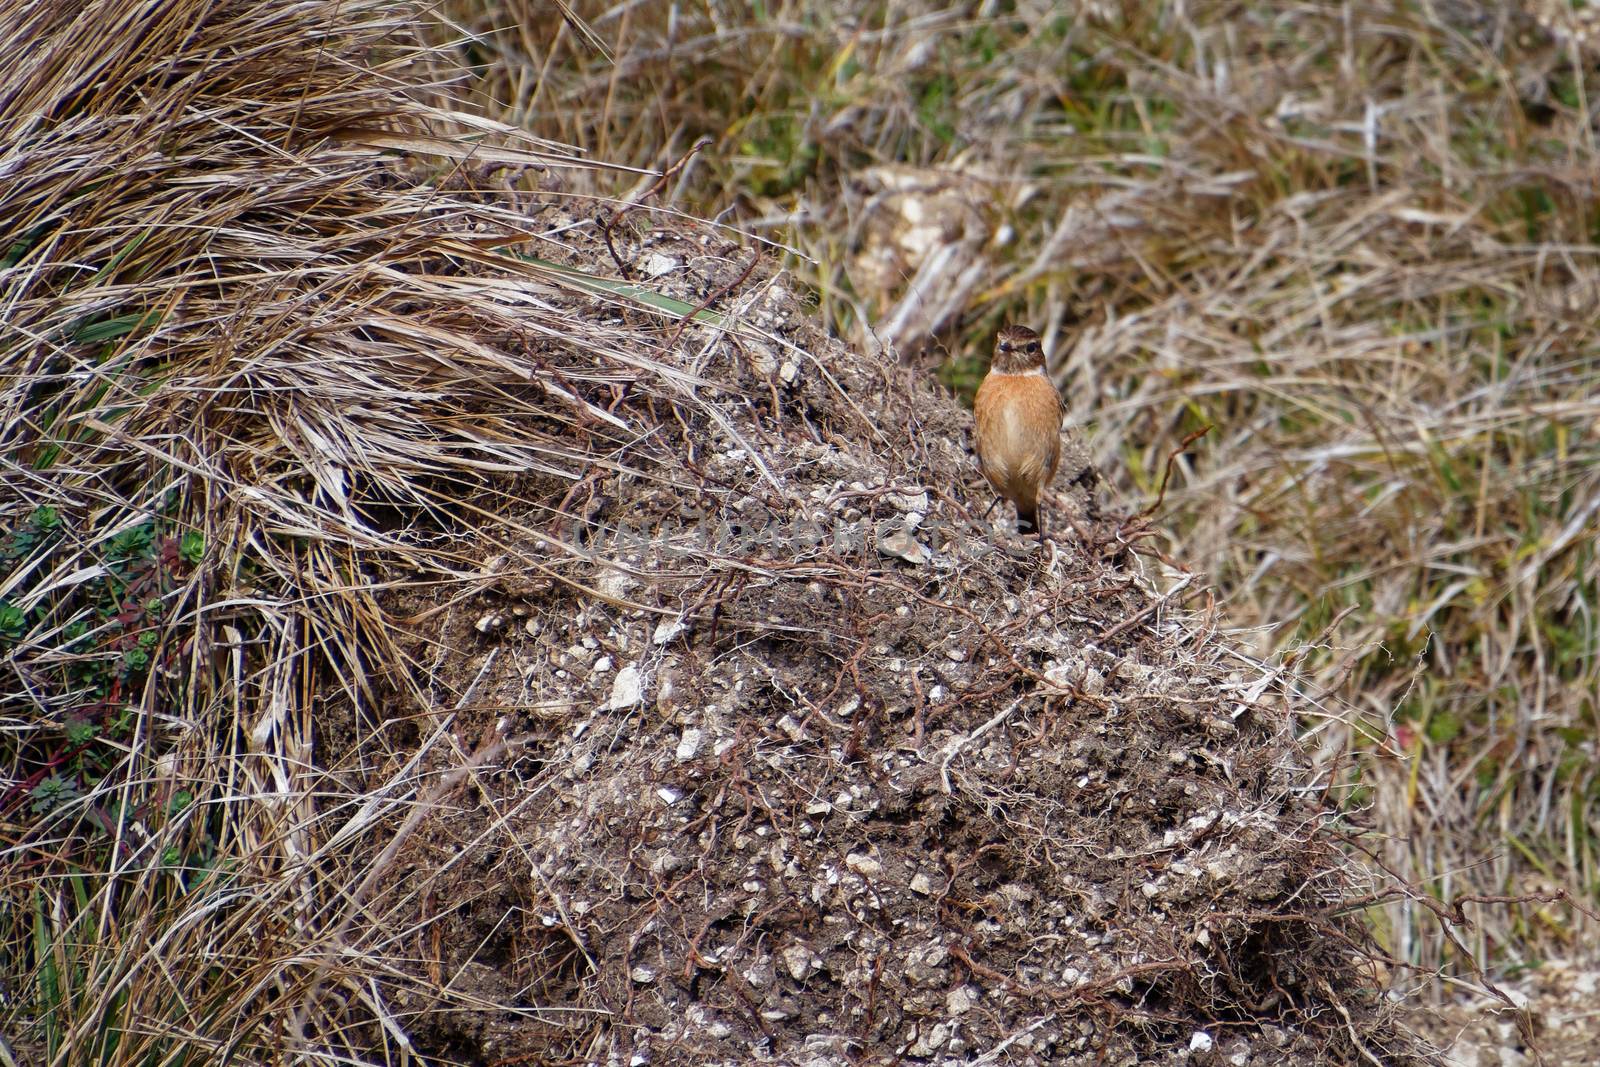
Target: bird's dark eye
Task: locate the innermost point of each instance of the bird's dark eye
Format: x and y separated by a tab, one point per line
1005	346
1033	346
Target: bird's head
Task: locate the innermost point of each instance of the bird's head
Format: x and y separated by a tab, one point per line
1017	350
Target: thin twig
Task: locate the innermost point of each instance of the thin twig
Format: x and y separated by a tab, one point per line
713	297
1172	459
606	225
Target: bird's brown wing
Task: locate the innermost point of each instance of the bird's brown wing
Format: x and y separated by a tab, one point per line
1039	405
1055	442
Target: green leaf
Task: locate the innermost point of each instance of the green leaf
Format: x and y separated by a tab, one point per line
133	543
13	621
192	547
117	326
626	290
117	260
1443	728
52	793
23	245
49	976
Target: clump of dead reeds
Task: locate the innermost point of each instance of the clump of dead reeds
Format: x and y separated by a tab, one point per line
246	350
1358	241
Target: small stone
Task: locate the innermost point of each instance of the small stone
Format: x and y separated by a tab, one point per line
615	583
642	974
493	622
800	961
689	744
1200	1041
922	883
959	1000
788	372
901	545
792	728
760	974
934	1038
602	665
863	864
656	264
666	689
627	689
763	362
908	500
669	795
922	963
666	631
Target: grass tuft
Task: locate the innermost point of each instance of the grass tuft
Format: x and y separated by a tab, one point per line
256	341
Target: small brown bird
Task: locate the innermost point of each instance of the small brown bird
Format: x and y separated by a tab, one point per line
1018	413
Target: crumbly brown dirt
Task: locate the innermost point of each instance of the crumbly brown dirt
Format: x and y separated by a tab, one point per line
780	751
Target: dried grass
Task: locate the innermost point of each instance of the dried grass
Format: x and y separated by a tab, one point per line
247	353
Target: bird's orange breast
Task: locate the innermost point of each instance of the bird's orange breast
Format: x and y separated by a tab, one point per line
1018	434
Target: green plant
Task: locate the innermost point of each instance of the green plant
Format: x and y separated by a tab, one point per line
13	621
53	793
192	547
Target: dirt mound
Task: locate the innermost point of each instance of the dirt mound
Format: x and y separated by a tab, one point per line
788	754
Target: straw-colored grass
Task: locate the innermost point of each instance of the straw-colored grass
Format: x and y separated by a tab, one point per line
249	362
1358	240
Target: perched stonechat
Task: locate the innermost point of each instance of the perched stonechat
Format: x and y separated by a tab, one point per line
1018	414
